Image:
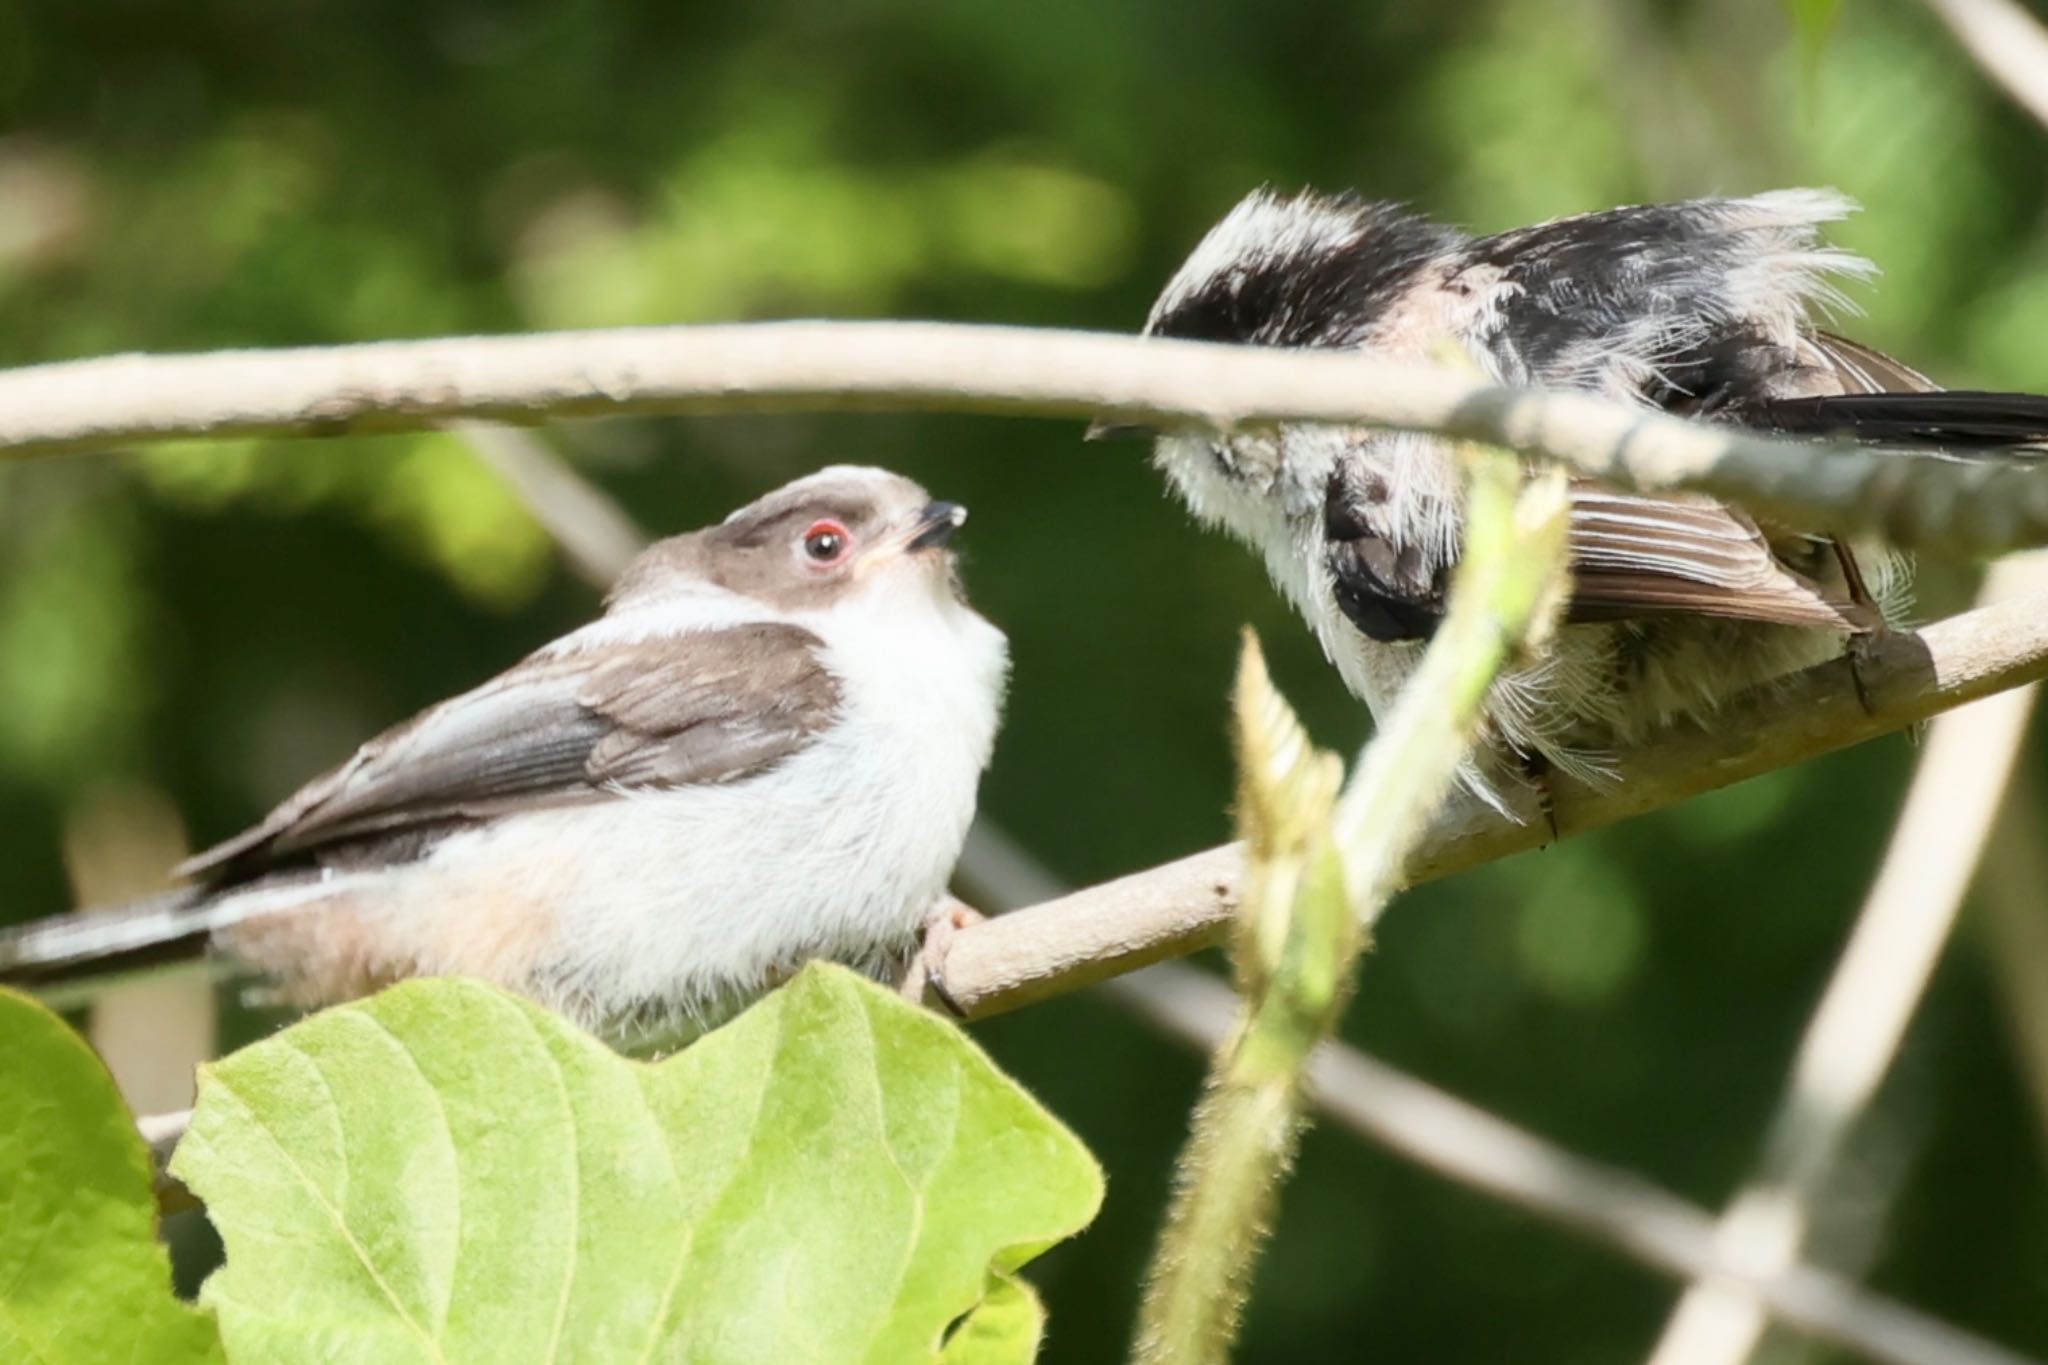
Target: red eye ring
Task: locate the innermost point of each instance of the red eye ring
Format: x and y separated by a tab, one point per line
827	541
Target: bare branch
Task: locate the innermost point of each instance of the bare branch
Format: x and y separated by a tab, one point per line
1862	1016
2009	44
2016	933
404	385
595	536
1184	905
151	1031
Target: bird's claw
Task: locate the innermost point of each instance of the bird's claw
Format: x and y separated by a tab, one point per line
926	979
1536	769
1860	650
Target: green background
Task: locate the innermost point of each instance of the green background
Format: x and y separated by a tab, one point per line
222	621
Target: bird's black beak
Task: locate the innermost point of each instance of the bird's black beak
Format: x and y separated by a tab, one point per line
936	525
1110	429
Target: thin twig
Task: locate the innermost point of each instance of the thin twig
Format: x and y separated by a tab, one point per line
598	539
404	385
1474	1148
1862	1016
2009	44
152	1031
162	1133
2012	889
2011	47
1184	905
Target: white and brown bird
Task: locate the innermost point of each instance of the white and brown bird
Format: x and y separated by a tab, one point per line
1710	308
765	751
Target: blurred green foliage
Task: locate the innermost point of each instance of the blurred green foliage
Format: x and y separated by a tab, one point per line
222	620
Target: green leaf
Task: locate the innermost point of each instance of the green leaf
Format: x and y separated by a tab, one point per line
1003	1330
82	1275
446	1173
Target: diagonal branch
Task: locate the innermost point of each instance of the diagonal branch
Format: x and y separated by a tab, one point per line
406	385
1862	1017
2008	43
2015	933
1184	905
594	534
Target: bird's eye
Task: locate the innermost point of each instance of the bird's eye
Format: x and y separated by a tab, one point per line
826	542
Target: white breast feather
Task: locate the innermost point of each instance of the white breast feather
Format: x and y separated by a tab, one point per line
688	901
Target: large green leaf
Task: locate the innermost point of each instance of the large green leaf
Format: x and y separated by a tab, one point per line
1005	1326
82	1276
446	1173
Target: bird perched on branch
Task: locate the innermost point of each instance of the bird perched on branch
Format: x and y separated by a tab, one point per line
1710	308
766	750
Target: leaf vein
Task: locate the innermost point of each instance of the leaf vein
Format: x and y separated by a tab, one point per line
441	1109
675	1278
575	1238
917	1211
313	1190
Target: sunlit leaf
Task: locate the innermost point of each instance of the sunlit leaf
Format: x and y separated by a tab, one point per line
446	1173
1003	1330
82	1276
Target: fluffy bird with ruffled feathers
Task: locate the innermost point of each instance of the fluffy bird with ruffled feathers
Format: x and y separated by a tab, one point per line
765	751
1710	308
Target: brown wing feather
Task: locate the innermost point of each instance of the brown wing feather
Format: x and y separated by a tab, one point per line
557	729
1647	556
1856	368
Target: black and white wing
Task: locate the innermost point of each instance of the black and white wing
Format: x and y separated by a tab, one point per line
562	727
1635	555
1706	308
1695	308
1632	556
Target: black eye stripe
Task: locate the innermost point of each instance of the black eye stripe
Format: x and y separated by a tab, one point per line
777	526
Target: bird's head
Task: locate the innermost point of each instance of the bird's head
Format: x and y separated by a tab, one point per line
844	532
1307	270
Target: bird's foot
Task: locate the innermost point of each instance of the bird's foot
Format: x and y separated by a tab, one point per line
926	979
1859	652
1536	770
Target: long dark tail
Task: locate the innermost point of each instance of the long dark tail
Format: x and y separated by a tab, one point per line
72	950
1959	419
